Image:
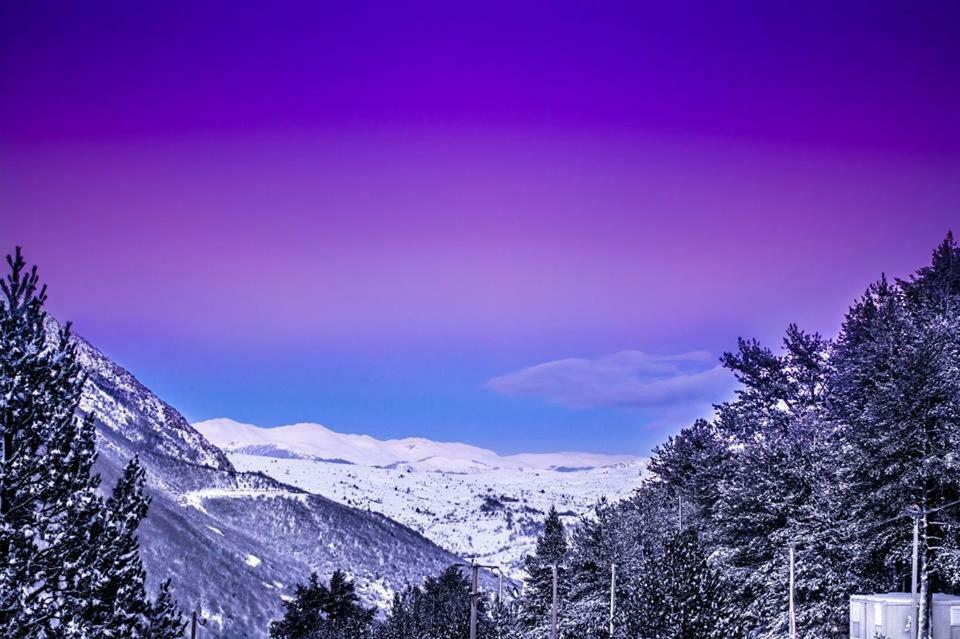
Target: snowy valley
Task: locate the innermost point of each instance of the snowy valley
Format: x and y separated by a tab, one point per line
466	499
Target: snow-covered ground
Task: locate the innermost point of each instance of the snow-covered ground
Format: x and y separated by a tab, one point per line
467	499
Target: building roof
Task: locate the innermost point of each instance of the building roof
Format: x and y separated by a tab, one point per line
902	598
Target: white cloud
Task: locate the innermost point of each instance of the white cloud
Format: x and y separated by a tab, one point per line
663	385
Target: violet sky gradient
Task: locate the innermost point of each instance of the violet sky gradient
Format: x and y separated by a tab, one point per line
508	224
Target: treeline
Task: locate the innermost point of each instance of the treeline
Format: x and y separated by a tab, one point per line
673	593
833	447
440	609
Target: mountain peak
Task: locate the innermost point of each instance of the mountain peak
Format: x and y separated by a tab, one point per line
126	409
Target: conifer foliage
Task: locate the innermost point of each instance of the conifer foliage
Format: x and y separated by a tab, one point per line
440	609
324	611
827	446
69	561
550	554
679	595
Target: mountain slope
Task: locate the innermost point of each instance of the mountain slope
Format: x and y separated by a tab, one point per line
231	541
467	499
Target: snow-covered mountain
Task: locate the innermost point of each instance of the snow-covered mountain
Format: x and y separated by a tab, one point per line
319	443
466	499
235	542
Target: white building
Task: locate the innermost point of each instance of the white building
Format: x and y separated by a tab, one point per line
891	615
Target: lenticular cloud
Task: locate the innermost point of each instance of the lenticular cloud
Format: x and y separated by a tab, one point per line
627	378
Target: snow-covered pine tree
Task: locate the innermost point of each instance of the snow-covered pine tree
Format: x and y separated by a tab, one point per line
303	614
164	619
446	606
551	550
406	619
503	621
116	600
895	396
440	609
321	611
345	614
762	476
634	535
45	480
692	465
600	541
51	513
679	595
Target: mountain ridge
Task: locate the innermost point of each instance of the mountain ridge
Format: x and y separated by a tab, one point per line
306	440
466	499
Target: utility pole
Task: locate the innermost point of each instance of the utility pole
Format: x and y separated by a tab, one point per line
499	604
914	513
613	597
553	612
474	569
793	612
475	593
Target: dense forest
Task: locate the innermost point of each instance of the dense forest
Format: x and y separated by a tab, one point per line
831	446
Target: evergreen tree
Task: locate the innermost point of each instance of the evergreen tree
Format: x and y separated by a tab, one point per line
693	466
679	595
321	611
446	606
631	534
440	610
503	621
117	600
761	477
164	619
62	550
600	542
551	550
406	619
895	398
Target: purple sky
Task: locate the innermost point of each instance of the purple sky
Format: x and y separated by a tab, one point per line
526	228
